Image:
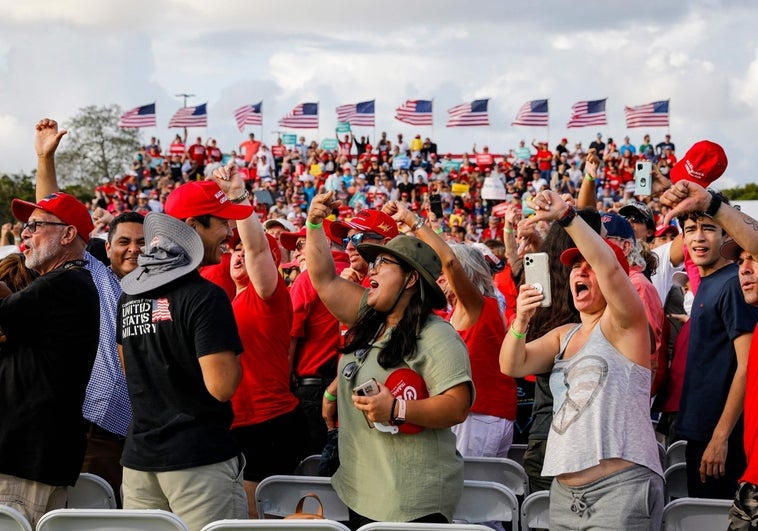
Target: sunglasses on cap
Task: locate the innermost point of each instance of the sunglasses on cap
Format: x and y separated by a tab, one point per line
358	237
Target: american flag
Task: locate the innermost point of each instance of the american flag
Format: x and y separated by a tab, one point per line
585	113
474	113
532	113
415	112
303	116
143	116
190	117
654	114
249	115
357	113
161	310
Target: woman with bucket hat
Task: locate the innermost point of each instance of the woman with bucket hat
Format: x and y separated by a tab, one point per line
397	453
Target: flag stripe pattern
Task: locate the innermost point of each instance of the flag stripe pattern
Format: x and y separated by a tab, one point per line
303	116
143	116
357	113
161	310
415	112
654	114
467	114
249	115
533	112
190	117
584	113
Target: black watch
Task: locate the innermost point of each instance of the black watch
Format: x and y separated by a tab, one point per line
715	204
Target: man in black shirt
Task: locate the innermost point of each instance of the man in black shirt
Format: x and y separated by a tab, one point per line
51	329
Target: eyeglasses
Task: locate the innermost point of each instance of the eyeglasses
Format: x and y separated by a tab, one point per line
299	246
32	225
349	370
358	237
376	264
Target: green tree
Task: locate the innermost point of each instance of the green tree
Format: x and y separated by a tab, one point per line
18	185
95	147
742	193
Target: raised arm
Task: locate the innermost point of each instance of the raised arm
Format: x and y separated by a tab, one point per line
685	197
469	300
588	189
46	141
260	265
340	296
626	325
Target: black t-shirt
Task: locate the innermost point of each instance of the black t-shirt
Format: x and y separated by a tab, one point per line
176	422
52	328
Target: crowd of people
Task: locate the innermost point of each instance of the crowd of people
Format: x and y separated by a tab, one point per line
368	304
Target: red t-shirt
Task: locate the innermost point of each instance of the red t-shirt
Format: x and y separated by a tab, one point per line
750	414
197	153
495	392
484	160
316	328
544	159
214	154
278	151
219	275
264	391
250	148
177	148
504	282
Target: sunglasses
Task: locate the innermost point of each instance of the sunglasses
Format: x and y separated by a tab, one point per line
377	263
358	237
349	370
32	225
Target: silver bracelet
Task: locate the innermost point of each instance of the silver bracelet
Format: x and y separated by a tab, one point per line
420	220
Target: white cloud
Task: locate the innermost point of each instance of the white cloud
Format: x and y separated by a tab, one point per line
56	57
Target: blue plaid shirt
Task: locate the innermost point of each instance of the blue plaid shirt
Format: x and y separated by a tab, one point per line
107	401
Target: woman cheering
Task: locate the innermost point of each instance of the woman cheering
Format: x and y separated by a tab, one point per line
397	452
601	446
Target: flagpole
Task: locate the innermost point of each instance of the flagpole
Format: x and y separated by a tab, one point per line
185	96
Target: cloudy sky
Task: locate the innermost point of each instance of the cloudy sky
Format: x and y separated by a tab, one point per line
58	56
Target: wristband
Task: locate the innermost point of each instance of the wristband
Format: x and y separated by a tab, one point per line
508	231
315	226
567	217
588	177
518	335
241	198
329	396
392	411
400	418
715	204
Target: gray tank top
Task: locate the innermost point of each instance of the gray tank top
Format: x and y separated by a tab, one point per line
601	409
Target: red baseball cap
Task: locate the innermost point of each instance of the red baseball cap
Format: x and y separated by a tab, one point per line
65	207
409	385
198	198
704	162
570	256
289	239
368	220
663	229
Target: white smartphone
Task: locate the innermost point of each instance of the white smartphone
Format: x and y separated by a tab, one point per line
643	184
537	273
367	388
